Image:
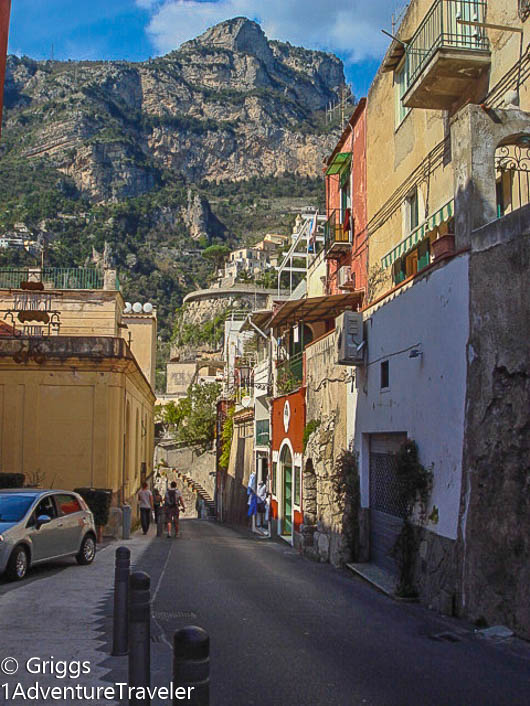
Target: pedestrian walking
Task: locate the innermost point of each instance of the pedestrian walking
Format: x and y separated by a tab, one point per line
157	504
172	504
145	502
199	504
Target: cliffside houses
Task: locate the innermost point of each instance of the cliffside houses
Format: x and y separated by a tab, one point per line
387	406
252	262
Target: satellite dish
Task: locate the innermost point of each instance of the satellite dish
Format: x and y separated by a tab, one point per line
128	307
148	308
137	308
246	401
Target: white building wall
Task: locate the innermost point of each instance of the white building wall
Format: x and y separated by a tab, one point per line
426	394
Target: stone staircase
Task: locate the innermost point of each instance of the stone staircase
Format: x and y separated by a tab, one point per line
196	487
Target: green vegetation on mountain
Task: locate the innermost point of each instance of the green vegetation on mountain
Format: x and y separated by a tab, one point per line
213	145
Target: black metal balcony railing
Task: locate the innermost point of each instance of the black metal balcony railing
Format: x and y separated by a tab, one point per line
441	28
337	230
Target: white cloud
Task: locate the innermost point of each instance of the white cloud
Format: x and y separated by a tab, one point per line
348	28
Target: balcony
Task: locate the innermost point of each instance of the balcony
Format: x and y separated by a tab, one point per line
290	374
337	234
51	278
445	57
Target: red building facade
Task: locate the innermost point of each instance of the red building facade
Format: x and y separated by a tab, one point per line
346	209
288	422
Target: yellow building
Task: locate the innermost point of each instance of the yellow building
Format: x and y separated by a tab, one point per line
432	130
76	400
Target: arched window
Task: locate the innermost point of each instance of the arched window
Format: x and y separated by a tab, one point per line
512	174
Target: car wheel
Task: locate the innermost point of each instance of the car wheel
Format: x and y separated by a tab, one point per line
18	564
88	550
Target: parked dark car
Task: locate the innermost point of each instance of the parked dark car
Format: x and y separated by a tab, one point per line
41	525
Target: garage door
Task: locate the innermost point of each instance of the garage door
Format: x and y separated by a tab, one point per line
387	512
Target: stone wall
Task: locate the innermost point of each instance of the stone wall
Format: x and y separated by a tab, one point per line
326	401
199	466
241	464
494	547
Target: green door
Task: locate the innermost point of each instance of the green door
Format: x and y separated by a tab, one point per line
287	500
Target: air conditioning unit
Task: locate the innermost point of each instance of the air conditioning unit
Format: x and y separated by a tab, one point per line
345	278
350	338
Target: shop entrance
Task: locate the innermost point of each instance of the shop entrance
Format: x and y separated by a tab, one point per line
286	462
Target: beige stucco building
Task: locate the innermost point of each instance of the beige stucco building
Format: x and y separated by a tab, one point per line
76	399
448	56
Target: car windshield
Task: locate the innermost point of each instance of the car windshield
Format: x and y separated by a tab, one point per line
13	507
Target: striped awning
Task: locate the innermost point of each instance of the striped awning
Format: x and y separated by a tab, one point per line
437	218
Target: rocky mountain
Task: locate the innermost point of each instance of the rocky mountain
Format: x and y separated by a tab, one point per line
215	142
225	106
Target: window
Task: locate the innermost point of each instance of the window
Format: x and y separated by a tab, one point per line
274	476
385	376
401	84
67	504
46	507
297	471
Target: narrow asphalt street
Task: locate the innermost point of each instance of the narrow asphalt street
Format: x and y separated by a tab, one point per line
287	631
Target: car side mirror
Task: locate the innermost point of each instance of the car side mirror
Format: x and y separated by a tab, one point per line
43	520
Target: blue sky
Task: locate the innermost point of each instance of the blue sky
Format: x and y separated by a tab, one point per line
137	29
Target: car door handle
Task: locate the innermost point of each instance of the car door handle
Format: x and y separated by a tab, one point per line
60	524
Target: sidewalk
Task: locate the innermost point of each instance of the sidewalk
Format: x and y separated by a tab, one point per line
65	614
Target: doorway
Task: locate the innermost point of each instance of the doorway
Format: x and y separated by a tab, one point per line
286	463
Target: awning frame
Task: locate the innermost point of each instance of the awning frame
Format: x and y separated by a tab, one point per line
314	309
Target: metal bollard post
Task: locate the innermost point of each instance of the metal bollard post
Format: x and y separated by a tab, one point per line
160	522
120	642
126	519
139	635
191	665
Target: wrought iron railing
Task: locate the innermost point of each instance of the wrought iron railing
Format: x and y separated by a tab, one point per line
512	166
262	432
441	28
336	230
52	277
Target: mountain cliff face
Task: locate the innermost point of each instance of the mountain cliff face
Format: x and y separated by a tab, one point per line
225	106
214	142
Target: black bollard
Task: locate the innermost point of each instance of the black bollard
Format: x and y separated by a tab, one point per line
191	666
120	642
139	636
160	522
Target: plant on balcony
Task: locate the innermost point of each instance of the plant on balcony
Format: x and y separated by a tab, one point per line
287	381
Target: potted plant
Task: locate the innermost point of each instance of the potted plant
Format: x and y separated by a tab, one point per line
443	246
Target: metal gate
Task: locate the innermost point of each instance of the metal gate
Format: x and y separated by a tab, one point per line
387	511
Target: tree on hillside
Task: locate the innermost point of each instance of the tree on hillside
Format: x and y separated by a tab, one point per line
268	279
198	428
172	414
216	254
